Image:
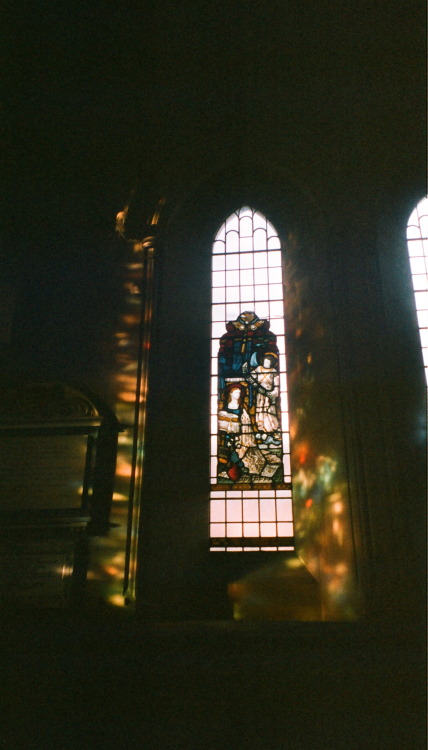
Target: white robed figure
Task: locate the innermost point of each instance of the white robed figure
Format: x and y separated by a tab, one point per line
265	381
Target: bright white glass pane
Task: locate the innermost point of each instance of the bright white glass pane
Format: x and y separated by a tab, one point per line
251	510
262	309
282	363
424	337
280	340
232	242
217	511
259	221
413	231
245	211
267	509
213	445
214	404
261	275
260	260
246	226
213	464
245	244
232	222
214	425
233	493
423	223
284	509
214	347
214	366
260	239
232	278
418	265
277	309
273	243
287	464
218	247
247	276
260	291
421	299
218	262
416	247
232	311
234	510
278	328
217	493
217	530
219	295
285	529
232	293
275	291
213	385
234	529
251	529
422	318
232	261
274	259
219	278
275	276
246	260
247	293
219	312
420	282
268	529
286	442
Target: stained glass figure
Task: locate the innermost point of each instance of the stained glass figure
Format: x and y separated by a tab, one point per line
249	414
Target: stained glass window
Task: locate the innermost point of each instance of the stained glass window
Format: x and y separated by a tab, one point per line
417	243
251	505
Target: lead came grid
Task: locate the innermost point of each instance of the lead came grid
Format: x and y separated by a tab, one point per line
251	513
247	275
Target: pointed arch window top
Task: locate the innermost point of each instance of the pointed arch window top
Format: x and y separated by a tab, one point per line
246	230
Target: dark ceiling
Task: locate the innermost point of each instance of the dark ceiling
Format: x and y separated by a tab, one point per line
99	96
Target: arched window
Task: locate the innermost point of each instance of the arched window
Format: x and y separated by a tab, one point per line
251	506
417	243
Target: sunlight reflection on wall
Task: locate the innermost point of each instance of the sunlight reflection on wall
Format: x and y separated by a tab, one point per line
323	531
321	505
107	564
